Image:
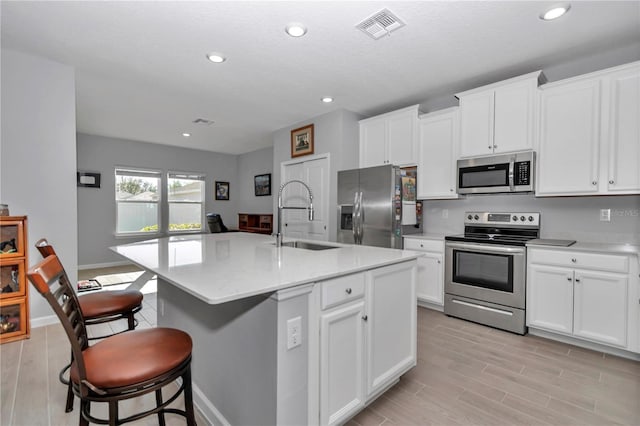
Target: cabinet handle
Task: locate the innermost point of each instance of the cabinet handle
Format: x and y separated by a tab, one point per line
450	190
569	279
348	291
364	317
594	183
574	260
611	182
421	245
495	146
577	280
489	147
438	260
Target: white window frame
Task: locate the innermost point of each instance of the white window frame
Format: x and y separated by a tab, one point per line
137	172
193	176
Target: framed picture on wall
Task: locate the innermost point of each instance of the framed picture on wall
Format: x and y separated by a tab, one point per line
222	190
302	141
262	184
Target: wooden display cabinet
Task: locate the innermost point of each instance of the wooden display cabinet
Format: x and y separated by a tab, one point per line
14	290
258	223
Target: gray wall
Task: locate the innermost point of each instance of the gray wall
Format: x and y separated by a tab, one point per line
38	156
335	133
96	206
561	217
249	165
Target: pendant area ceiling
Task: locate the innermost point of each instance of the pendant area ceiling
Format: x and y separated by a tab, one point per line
142	73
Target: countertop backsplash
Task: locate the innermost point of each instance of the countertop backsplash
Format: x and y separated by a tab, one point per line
576	218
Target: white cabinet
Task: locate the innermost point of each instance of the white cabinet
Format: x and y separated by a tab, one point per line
368	330
390	138
499	117
430	282
584	295
437	154
590	134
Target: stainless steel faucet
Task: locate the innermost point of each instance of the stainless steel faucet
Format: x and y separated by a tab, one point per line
281	207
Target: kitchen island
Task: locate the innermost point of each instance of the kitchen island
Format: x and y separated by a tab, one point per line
285	335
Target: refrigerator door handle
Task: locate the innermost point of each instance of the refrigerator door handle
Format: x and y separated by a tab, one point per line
361	217
354	219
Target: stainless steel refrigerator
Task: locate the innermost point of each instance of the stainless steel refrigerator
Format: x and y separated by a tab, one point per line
377	206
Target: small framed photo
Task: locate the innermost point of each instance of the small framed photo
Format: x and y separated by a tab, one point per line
302	141
88	179
222	190
262	184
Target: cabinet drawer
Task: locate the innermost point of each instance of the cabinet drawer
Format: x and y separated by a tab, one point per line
423	245
600	262
342	289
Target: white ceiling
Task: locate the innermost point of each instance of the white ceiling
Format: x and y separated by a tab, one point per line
141	71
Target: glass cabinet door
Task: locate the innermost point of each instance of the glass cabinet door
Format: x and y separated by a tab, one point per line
12	279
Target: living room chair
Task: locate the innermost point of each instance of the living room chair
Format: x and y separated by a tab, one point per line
97	308
121	366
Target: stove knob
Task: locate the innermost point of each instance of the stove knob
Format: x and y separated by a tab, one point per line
469	217
522	218
476	217
530	218
515	218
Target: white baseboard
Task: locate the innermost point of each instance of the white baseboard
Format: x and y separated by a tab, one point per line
430	305
44	321
207	409
103	265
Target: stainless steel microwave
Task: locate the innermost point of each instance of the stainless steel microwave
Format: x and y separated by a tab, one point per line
497	173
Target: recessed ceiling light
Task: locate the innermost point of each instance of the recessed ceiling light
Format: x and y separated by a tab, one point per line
186	135
216	57
327	99
555	12
296	29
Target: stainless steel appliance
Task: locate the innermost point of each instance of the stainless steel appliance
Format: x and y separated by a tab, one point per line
485	269
497	173
377	206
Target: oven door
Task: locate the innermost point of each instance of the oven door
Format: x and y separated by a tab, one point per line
493	273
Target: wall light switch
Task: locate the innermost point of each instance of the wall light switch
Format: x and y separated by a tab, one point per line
605	215
445	213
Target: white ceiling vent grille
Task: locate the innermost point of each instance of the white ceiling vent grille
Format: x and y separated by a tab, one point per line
203	121
380	24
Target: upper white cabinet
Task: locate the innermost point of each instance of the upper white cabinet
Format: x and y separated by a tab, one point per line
590	134
390	138
437	154
499	117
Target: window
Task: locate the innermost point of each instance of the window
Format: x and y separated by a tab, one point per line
137	201
186	201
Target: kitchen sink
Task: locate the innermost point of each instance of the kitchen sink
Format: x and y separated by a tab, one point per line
307	246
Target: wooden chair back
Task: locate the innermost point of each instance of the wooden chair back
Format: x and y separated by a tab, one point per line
51	281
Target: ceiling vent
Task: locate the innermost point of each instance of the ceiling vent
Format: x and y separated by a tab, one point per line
203	121
380	24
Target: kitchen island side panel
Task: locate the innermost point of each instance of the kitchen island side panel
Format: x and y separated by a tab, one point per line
234	361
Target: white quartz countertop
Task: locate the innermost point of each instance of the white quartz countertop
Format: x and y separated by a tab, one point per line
595	247
219	268
430	236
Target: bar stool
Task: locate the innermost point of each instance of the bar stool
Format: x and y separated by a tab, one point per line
121	366
98	308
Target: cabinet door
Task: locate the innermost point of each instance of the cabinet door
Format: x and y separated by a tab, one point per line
373	151
550	298
401	138
437	156
391	324
601	307
624	132
514	116
341	363
476	124
429	287
569	139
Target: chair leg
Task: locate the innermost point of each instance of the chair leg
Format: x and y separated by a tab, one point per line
158	404
188	398
113	413
69	407
131	321
85	408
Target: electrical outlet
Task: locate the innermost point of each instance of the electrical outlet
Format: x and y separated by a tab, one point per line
294	332
605	215
445	213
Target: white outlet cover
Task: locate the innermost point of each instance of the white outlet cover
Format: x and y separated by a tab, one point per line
605	215
294	332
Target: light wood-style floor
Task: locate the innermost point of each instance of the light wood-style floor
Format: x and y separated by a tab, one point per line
466	374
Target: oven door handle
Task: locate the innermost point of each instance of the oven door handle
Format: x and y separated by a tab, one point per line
487	248
512	186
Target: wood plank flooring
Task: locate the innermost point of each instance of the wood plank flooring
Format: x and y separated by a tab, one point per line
466	374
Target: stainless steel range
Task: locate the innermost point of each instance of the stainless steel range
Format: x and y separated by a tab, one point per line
485	269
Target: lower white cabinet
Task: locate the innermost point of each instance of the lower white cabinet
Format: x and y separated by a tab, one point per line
367	340
583	301
430	282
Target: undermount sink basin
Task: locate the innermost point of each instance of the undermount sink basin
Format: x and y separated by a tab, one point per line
307	246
